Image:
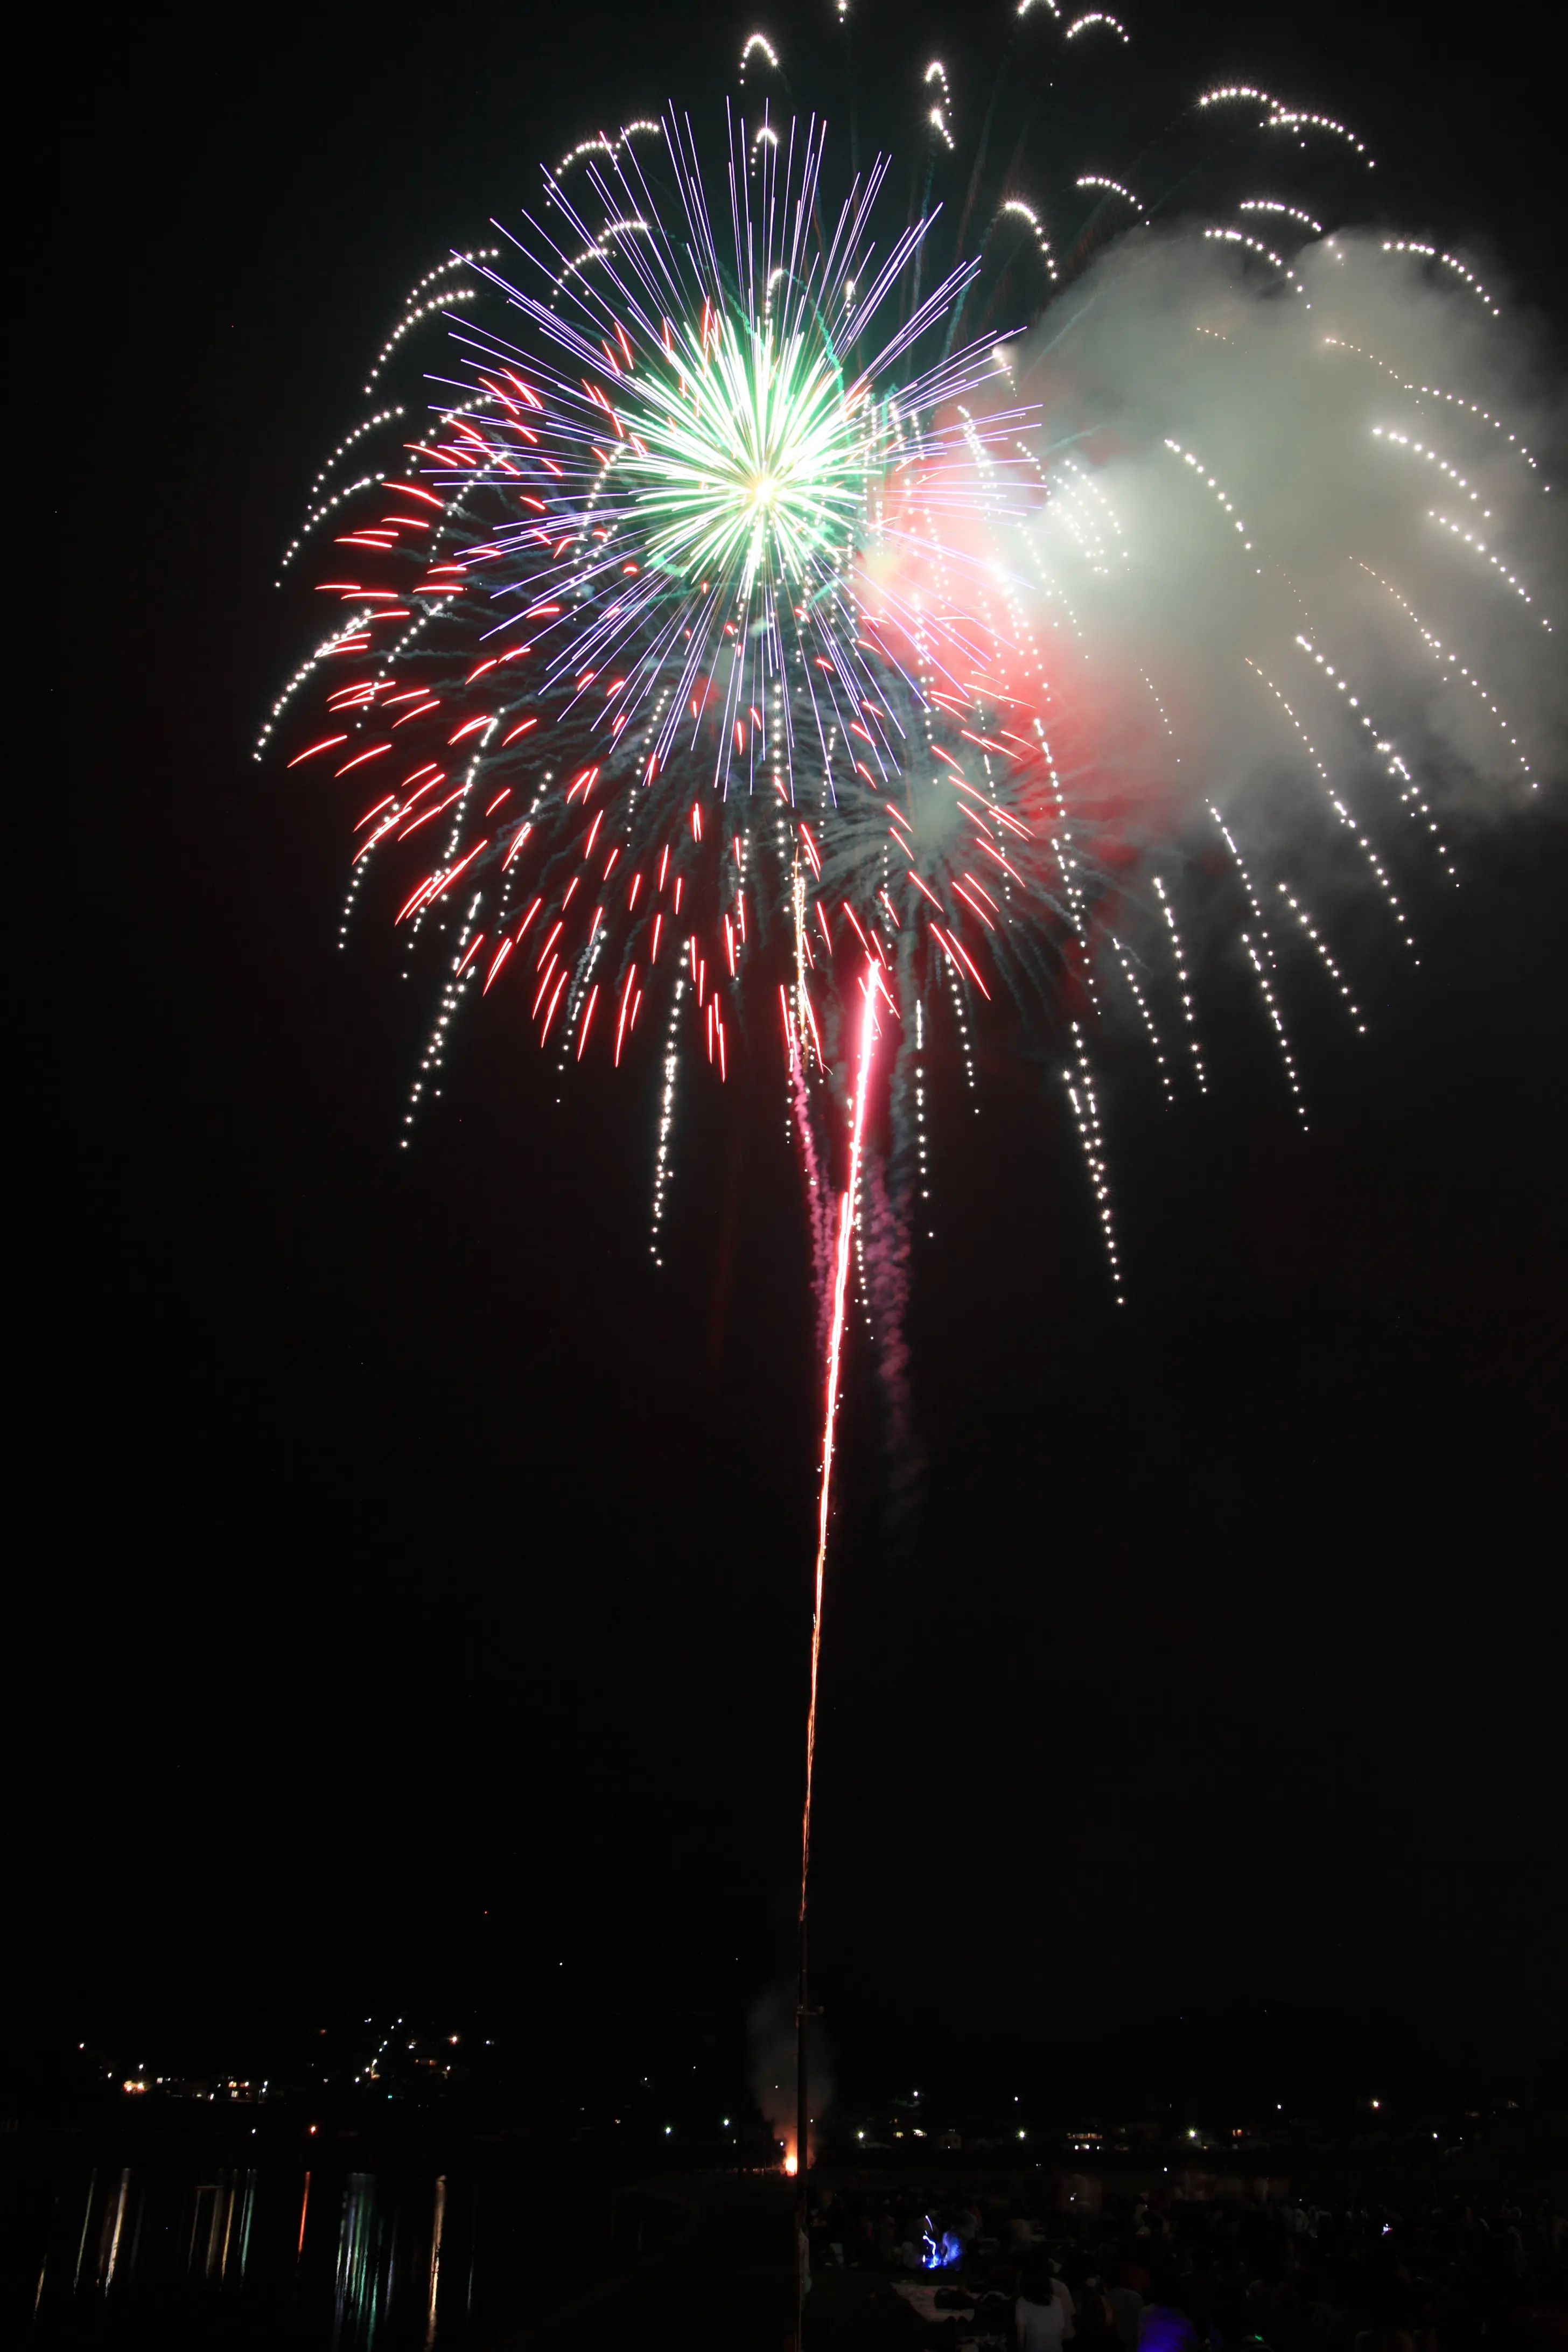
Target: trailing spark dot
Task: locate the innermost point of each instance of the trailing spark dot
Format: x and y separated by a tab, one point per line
1289	212
1480	547
419	311
1446	261
1111	188
1281	117
1184	983
1079	1083
1273	1014
1409	790
1255	244
1142	1002
758	41
1362	840
1320	945
1466	408
661	1167
1017	207
1209	481
1252	898
1455	667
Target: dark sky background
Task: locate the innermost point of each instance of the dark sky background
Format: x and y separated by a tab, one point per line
410	1585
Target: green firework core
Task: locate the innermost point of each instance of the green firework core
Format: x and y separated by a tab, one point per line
751	458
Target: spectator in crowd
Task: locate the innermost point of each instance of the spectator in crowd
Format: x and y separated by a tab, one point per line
1044	2318
1459	2274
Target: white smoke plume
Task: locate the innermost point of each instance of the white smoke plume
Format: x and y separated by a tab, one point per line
1247	488
771	2056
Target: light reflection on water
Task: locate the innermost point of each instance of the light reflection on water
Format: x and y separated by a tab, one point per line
356	2262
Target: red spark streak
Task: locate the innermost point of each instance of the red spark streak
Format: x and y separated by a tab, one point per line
951	943
555	1000
425	814
583	1032
1001	861
409	904
361	757
458	868
974	906
621	1024
816	1032
325	745
870	985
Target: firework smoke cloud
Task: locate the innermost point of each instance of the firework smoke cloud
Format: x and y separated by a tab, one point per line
1349	465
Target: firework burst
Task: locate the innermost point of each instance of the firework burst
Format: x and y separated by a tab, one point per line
778	626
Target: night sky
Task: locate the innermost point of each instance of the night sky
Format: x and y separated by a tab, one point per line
411	1584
